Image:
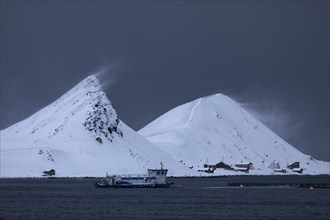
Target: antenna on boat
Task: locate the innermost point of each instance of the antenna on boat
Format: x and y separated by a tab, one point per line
161	165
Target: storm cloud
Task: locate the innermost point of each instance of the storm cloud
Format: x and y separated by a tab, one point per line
272	57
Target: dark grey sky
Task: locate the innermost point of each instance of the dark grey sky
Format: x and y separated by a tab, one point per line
271	55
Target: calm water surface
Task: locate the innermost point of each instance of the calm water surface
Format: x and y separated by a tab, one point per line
199	198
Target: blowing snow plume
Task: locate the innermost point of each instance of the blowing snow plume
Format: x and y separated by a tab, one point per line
108	75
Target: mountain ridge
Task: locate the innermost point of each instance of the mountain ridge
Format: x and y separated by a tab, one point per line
80	134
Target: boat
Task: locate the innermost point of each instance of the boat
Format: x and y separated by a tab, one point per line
155	178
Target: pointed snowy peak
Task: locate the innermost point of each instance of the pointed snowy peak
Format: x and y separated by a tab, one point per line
79	134
86	101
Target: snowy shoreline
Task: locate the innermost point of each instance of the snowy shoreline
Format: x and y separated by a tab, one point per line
189	177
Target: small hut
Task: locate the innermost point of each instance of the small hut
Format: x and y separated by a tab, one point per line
243	167
294	165
223	165
297	170
49	173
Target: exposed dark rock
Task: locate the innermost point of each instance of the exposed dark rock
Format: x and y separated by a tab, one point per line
99	140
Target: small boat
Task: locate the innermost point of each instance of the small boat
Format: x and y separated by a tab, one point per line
155	178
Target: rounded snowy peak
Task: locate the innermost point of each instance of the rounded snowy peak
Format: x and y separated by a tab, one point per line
216	128
192	112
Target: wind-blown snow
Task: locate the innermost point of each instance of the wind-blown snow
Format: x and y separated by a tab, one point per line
79	135
216	128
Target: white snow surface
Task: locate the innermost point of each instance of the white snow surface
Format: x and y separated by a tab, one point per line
80	135
216	128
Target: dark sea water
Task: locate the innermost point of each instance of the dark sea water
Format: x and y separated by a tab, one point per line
196	198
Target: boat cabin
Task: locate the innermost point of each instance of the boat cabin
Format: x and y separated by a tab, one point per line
160	175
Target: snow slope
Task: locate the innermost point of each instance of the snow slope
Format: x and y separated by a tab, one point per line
216	128
79	135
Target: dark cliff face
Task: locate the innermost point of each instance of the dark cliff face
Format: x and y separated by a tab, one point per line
102	121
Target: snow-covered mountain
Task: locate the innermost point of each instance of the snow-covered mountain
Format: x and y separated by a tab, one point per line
216	128
79	135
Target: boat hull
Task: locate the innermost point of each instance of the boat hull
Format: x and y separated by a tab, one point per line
100	185
155	178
